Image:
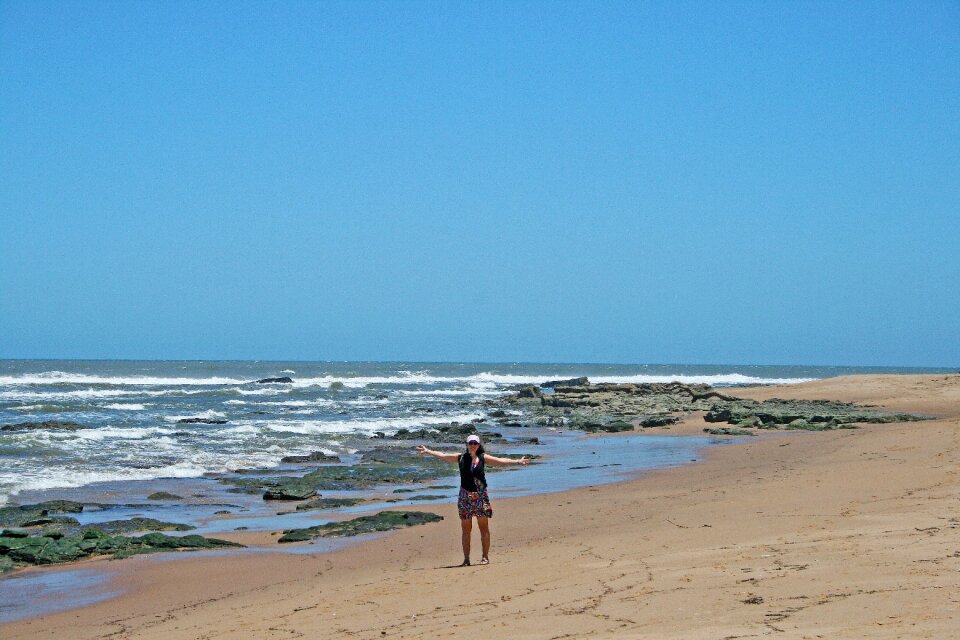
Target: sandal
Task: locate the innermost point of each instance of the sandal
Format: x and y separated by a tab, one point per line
466	562
485	561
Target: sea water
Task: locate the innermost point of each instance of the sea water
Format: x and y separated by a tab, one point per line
135	444
133	411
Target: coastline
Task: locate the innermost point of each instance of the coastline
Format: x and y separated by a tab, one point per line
832	533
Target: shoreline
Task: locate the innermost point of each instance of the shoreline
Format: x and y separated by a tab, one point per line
806	523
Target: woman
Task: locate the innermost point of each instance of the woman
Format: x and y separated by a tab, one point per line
473	500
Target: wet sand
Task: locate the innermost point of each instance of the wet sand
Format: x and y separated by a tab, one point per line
841	534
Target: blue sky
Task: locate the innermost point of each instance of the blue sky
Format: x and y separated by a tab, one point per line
758	182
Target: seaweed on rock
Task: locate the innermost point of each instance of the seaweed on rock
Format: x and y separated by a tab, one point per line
611	407
18	548
383	521
378	467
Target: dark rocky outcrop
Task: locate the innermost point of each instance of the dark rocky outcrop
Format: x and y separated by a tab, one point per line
529	391
201	421
659	421
291	491
48	425
808	415
453	432
280	380
594	407
315	456
383	521
570	382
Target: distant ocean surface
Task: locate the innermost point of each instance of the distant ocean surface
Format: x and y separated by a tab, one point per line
134	409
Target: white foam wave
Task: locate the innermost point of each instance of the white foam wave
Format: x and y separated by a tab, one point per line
488	380
366	402
491	381
722	379
241	430
89	394
118	433
16	480
317	427
65	396
120	406
320	402
64	377
266	391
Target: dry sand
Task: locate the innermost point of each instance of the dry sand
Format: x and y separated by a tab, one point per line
842	534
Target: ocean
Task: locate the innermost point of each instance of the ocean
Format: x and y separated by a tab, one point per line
133	410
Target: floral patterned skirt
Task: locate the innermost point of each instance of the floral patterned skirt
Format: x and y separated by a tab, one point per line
471	504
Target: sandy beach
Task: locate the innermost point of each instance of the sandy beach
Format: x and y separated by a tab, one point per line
836	534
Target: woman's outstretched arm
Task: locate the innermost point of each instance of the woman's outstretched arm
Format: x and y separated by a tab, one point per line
496	460
450	457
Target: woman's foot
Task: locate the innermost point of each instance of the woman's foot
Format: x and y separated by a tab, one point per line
485	561
466	562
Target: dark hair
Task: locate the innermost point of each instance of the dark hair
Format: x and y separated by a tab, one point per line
480	451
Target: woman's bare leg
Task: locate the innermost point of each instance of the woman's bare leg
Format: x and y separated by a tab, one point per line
466	526
484	524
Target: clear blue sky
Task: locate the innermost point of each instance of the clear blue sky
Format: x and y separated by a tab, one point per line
758	182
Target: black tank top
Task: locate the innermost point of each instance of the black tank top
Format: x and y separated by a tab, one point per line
472	478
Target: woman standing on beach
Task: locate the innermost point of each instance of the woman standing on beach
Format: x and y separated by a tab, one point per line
473	500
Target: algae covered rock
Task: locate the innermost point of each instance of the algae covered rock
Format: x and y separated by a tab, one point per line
164	495
592	407
37	514
423	496
291	491
594	426
24	550
383	521
659	421
137	524
329	503
728	431
378	467
807	415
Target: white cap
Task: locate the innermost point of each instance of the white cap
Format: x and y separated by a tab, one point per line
473	438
